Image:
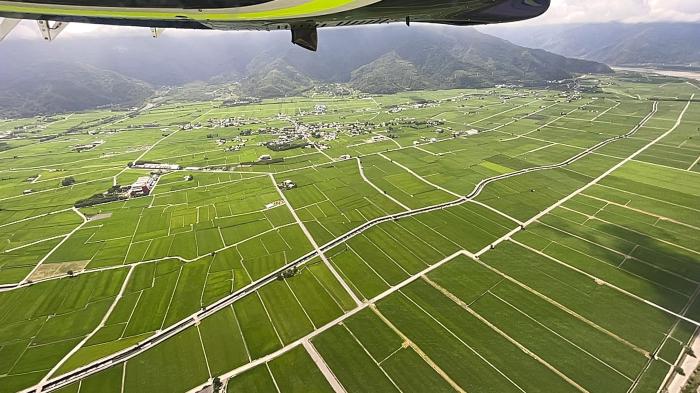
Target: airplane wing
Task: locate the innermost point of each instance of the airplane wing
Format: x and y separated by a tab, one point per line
302	17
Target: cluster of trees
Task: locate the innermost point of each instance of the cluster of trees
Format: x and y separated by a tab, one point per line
288	273
266	162
97	199
141	162
111	195
285	146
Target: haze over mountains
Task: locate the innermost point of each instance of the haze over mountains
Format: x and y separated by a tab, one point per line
387	59
612	43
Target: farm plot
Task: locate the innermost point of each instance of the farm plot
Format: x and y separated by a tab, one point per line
293	372
42	323
403	186
390	253
599	295
332	200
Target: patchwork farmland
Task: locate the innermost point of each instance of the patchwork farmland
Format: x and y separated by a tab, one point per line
492	240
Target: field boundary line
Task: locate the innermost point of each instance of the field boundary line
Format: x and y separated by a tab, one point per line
172	296
323	367
272	376
493	209
693	164
376	363
35	217
389	257
300	305
36	242
418	351
646	196
418	258
240	331
592	217
327	326
269	317
314	244
114	178
626	257
419	177
5	288
600	281
361	258
694	341
453	334
607	110
560	336
386	194
204	351
75	349
26	279
209	310
663	218
426	151
502	112
655	106
503	334
564	309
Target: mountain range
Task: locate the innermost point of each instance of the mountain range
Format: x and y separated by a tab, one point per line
655	44
66	87
77	74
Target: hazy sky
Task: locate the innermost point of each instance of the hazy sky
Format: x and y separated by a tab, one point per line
630	11
561	11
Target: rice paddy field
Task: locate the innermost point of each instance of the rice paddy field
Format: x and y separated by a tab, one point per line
493	240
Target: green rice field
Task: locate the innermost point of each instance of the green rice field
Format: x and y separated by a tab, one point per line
479	240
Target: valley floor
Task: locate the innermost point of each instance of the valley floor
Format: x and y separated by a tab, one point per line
492	240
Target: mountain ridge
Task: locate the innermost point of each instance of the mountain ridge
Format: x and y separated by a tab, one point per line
612	43
53	87
373	60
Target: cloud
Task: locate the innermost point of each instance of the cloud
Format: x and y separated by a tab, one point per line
28	29
626	11
560	12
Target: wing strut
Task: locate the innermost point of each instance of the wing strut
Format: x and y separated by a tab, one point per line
49	31
305	36
6	26
156	31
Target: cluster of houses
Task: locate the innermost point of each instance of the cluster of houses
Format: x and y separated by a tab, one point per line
319	109
232	122
157	166
234	144
241	101
419	105
190	126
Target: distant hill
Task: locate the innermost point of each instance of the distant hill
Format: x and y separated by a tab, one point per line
426	59
378	60
613	43
47	88
397	58
271	77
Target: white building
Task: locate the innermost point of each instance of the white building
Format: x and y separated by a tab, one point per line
171	167
142	186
